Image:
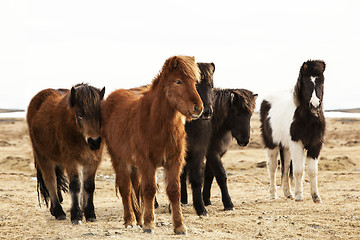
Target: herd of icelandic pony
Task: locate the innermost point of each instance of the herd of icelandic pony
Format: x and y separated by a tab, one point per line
179	118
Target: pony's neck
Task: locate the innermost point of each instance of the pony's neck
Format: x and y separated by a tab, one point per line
161	113
221	110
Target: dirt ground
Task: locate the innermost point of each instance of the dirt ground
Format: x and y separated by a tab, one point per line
255	215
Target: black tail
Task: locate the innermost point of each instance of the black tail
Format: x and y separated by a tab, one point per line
282	164
62	185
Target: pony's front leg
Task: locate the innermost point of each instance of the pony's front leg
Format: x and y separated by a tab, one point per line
297	155
272	164
74	187
214	161
148	190
172	178
285	181
88	190
312	171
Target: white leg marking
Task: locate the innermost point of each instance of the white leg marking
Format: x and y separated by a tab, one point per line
285	182
271	155
312	171
297	155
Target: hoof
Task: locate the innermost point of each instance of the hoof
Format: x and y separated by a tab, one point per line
207	203
150	231
316	198
91	219
61	217
229	209
76	222
299	199
272	197
203	213
290	196
180	231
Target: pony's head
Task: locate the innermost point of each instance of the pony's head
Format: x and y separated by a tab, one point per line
84	100
241	109
205	88
309	89
180	75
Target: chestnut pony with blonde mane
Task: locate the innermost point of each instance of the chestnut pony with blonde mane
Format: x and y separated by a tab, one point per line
64	128
145	130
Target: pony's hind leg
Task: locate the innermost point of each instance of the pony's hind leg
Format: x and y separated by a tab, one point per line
47	181
285	181
74	187
136	196
297	155
172	176
183	179
195	171
208	179
272	164
123	183
88	191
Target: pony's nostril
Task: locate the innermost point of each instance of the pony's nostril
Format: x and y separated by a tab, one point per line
196	108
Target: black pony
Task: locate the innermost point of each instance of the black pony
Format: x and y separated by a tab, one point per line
231	118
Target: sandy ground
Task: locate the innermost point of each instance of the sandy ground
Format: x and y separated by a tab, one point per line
255	216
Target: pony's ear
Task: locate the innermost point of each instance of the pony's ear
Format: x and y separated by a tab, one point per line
232	96
102	93
304	67
213	67
324	65
72	97
255	96
174	62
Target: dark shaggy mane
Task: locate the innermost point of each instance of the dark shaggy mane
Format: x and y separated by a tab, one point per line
222	101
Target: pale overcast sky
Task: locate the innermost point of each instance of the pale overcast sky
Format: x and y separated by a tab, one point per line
258	45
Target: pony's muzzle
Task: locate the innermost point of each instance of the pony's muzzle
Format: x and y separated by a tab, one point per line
94	143
197	111
207	113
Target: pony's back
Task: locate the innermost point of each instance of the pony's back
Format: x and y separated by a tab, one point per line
37	101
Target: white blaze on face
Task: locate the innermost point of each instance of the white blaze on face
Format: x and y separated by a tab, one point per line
315	101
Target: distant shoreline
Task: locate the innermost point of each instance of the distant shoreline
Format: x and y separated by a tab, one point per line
3	110
349	110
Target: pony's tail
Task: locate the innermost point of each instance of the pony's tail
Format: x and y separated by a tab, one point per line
62	183
282	159
41	187
136	194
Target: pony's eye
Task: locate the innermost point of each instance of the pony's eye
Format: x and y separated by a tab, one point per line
178	82
79	116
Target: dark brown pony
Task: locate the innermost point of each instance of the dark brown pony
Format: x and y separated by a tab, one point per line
64	128
145	130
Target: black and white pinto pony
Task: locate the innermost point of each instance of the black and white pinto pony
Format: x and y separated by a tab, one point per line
293	122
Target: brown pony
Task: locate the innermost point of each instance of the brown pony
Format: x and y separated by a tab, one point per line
64	128
144	129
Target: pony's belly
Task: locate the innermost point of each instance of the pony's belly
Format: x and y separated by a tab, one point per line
281	116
